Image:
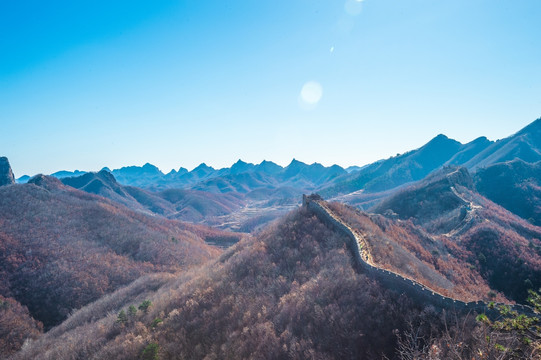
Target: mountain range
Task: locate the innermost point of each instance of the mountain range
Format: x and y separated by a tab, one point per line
292	290
382	175
437	153
111	265
246	196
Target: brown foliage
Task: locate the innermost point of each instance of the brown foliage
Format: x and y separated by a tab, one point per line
290	293
61	248
475	242
16	325
407	249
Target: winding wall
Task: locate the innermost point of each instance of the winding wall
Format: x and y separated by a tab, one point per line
416	291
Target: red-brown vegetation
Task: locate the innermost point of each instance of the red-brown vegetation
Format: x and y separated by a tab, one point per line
474	235
61	248
290	293
407	249
16	325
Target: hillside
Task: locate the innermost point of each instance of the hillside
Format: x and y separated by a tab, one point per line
401	169
503	248
16	325
514	185
62	248
104	184
290	293
185	205
244	212
408	250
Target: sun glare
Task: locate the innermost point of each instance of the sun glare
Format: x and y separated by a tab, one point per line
311	92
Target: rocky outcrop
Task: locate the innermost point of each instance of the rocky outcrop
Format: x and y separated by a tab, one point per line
6	175
49	183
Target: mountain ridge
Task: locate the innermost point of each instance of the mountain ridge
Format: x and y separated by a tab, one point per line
437	153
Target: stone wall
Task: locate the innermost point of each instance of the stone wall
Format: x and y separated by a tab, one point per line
391	280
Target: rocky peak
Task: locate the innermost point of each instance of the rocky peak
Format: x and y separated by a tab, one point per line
46	182
6	175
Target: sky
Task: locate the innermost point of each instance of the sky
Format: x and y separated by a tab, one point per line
88	84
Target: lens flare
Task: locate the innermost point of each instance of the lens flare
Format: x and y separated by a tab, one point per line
311	92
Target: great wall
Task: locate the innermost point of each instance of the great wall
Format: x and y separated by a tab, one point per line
391	280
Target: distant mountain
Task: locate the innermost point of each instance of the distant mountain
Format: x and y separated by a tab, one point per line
241	167
63	173
241	177
196	206
268	167
241	198
6	175
23	179
301	175
438	152
138	176
468	151
186	205
351	169
515	185
240	209
361	186
398	170
240	183
104	184
524	145
202	171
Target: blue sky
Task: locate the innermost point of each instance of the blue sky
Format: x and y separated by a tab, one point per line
88	84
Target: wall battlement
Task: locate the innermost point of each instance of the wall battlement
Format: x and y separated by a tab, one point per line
391	280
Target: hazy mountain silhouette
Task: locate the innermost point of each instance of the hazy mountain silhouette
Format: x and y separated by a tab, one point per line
245	183
469	150
187	205
524	145
23	179
399	170
63	173
438	152
241	177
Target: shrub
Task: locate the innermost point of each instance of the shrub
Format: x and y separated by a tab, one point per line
132	311
122	317
145	305
151	352
155	322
